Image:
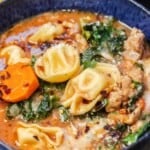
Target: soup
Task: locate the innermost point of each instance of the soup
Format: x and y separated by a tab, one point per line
73	80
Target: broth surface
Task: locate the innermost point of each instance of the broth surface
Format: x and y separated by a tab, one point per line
84	133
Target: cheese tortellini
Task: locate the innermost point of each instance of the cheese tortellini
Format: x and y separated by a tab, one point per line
35	137
46	32
83	91
58	64
14	54
110	70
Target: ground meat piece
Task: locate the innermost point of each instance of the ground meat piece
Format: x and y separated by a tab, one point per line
131	55
146	65
120	94
125	66
126	118
126	88
136	74
135	41
114	100
130	69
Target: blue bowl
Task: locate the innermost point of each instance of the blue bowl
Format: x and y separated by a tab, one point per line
127	11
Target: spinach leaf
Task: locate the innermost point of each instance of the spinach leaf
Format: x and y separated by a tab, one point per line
133	137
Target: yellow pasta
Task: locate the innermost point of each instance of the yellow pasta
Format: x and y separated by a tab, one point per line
47	138
86	86
89	83
59	63
46	32
14	54
110	70
79	106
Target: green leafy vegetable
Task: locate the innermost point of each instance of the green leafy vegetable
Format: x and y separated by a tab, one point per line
139	87
46	105
101	37
37	109
90	57
99	148
64	114
121	127
88	64
104	35
28	110
33	60
97	32
140	66
51	87
133	137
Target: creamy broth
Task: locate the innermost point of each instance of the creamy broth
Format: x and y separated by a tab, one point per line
85	133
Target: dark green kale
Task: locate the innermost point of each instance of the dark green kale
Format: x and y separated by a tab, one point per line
133	137
28	111
46	106
97	32
88	58
104	35
101	37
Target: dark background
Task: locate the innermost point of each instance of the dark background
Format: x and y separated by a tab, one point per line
146	3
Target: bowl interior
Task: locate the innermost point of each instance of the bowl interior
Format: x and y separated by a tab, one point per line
12	11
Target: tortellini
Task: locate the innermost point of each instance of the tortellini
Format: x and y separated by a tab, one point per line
35	137
14	54
83	91
58	64
111	70
46	32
